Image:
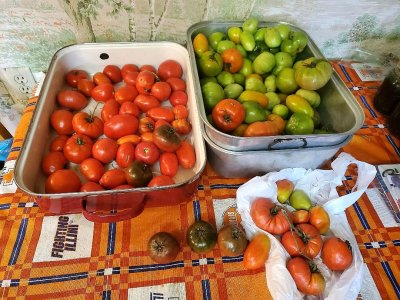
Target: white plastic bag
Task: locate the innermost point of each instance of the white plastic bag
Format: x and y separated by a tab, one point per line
320	185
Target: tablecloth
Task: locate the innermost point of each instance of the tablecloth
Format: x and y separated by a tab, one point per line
44	256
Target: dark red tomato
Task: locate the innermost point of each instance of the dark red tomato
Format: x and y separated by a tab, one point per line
105	150
129	68
138	174
113	178
169	68
336	254
130	78
177	84
53	161
92	169
163	247
146	102
145	81
201	237
228	114
182	126
73	76
125	93
77	148
147	152
91	186
113	72
232	240
178	98
72	99
148	68
146	124
58	143
121	125
161	180
180	111
166	139
161	113
103	92
86	124
85	86
161	90
61	121
186	155
129	108
125	155
169	164
109	110
63	181
101	78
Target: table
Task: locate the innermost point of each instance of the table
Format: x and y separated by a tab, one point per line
109	261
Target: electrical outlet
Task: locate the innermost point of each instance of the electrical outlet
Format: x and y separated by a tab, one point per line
19	83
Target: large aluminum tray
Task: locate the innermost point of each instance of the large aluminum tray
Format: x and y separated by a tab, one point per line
96	206
339	109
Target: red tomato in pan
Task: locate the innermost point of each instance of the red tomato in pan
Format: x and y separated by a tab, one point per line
53	161
63	181
129	108
161	113
148	68
113	72
121	125
105	150
166	139
86	124
129	68
72	99
161	180
146	102
85	86
169	68
113	178
91	186
169	164
58	143
103	92
146	124
125	93
92	169
77	148
130	78
101	78
109	110
61	121
147	152
228	114
186	155
145	81
178	98
177	84
182	126
125	155
73	76
161	90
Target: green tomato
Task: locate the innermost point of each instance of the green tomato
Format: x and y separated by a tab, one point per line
204	80
258	49
210	63
242	51
312	73
281	110
270	83
311	96
247	40
255	84
215	38
234	34
259	35
297	103
247	67
250	25
285	81
299	200
254	112
264	63
224	78
284	30
273	99
239	78
283	60
224	45
272	38
301	39
289	46
299	123
233	90
212	94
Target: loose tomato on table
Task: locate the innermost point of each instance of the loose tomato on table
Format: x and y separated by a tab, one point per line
125	93
163	247
110	109
120	125
112	178
147	152
201	237
166	138
232	240
103	92
125	154
72	99
228	114
77	148
73	76
257	252
168	164
53	161
169	68
63	181
336	254
113	72
92	169
87	124
105	150
233	60
61	121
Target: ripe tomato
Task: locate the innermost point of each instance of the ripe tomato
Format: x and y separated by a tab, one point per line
92	169
201	237
257	252
306	276
147	137
77	148
146	102
128	68
178	98
125	155
161	113
177	84
113	72
123	187
61	121
158	123
132	138
125	93
161	90
101	78
129	108
130	78
147	152
145	81
166	139
232	240
105	150
180	111
53	161
63	181
148	68
181	126
169	68
112	178
85	86
300	216
58	143
72	99
72	77
336	254
186	155
138	174
86	124
228	114
109	110
163	247
233	60
103	92
120	125
304	240
161	180
269	216
91	186
146	124
169	164
320	219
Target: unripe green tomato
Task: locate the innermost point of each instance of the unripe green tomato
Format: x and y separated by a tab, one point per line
247	67
224	78
285	81
284	30
247	40
272	37
242	51
234	34
273	99
224	45
259	35
233	90
250	25
270	83
239	78
212	93
264	63
281	110
215	38
204	80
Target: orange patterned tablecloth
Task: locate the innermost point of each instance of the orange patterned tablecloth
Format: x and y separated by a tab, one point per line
110	261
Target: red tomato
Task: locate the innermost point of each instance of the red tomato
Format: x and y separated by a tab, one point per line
269	216
109	110
161	180
336	254
77	148
113	72
169	164
320	219
101	78
146	102
129	108
233	60
147	137
72	99
132	138
177	84
147	152
169	68
85	86
53	161
125	93
113	178
123	187
228	114
166	139
161	113
306	276
158	123
129	68
91	186
105	150
148	68
130	78
120	125
186	155
161	90
180	111
125	154
92	169
86	124
145	81
257	252
73	76
61	121
103	92
178	98
63	181
58	143
146	124
182	126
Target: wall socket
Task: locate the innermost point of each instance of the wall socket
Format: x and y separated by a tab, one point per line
19	83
